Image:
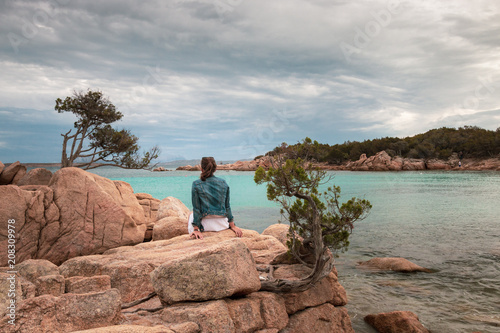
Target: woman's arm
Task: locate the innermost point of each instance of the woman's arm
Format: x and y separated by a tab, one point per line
230	217
195	200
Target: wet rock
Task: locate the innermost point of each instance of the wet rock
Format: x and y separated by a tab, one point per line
393	264
219	271
396	322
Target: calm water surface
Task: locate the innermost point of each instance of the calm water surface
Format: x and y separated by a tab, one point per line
445	221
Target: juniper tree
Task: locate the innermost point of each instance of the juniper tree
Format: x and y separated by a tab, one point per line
94	140
319	222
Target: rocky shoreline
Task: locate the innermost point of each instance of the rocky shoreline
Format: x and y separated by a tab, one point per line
86	248
378	162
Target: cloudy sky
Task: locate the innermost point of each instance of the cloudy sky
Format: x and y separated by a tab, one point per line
234	78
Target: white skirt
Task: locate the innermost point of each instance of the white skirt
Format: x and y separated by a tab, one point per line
210	223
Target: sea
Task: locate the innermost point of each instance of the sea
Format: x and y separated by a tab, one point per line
447	221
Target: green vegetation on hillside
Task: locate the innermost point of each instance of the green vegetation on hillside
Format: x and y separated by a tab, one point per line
469	141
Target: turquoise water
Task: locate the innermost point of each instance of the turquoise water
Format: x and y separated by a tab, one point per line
445	221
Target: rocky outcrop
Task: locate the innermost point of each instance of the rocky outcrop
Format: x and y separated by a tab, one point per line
393	264
172	207
209	285
323	318
327	290
171	220
150	207
381	161
79	213
169	227
12	173
264	161
159	169
66	313
130	267
38	176
279	231
84	285
219	271
396	322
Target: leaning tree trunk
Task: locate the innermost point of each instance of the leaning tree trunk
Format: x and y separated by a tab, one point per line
323	261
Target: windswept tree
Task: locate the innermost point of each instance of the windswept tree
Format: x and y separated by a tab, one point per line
94	141
318	220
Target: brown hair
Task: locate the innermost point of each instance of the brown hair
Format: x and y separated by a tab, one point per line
208	167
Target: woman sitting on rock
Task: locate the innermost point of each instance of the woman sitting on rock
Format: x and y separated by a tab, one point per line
210	199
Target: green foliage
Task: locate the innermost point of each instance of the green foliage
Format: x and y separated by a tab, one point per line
94	140
440	143
295	184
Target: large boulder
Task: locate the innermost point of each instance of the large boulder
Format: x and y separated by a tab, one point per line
393	264
10	172
218	271
2	166
279	231
19	175
78	214
38	176
33	269
129	266
169	227
396	322
327	290
172	207
212	316
150	206
50	285
67	313
27	213
413	164
324	318
84	284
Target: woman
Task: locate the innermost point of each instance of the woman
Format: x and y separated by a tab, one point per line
210	198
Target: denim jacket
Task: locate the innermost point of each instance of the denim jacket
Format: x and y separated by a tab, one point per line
210	197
